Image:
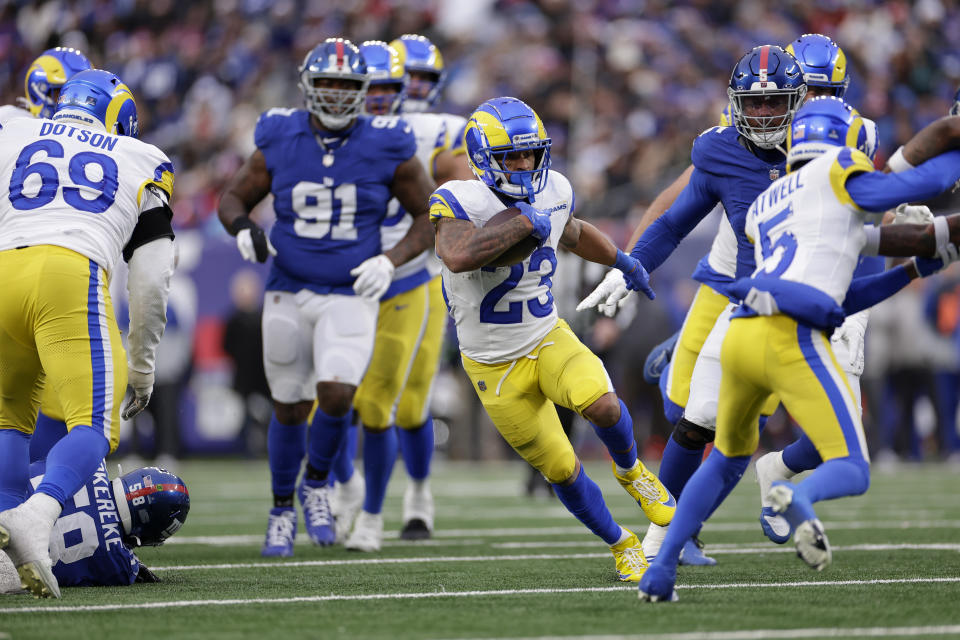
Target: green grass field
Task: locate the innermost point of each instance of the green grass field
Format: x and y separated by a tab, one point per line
505	566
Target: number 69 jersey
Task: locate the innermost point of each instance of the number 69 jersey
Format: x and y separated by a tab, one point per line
76	187
502	313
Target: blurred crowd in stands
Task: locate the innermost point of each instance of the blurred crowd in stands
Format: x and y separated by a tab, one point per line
623	87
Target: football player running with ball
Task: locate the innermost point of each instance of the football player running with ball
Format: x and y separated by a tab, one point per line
82	192
332	172
521	358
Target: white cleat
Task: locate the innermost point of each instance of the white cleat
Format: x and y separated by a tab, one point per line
25	535
417	511
770	468
367	533
812	544
346	502
653	541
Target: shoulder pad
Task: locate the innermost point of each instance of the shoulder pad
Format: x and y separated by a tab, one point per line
269	122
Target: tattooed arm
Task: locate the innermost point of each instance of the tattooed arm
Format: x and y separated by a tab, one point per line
465	247
934	139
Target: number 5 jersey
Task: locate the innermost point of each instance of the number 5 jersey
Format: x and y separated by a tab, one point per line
75	187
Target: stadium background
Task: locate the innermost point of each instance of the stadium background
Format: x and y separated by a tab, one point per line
623	87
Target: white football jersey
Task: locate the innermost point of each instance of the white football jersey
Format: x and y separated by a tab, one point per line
503	313
9	112
723	252
806	228
76	187
430	131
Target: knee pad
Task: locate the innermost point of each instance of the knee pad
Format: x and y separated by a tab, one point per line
559	469
692	436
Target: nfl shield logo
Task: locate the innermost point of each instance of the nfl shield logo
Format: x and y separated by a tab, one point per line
774	174
482	385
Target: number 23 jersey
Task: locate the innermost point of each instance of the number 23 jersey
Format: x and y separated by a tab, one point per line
331	191
502	313
76	187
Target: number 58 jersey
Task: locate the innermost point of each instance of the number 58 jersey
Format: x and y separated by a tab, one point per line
76	187
502	313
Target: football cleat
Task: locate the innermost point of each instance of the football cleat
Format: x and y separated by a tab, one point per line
659	359
809	537
417	511
812	545
692	554
367	533
345	503
315	499
281	531
631	563
25	536
653	540
649	492
774	525
657	585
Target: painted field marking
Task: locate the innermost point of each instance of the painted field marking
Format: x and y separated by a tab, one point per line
126	606
779	634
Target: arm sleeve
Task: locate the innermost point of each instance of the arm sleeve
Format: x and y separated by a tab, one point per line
148	286
662	237
153	223
869	290
875	191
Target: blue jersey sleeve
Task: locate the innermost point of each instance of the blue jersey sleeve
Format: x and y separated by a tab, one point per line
662	237
397	142
866	291
875	191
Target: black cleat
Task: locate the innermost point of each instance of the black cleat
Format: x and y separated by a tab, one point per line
415	529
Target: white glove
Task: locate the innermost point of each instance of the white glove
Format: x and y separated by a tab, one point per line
142	385
247	247
609	296
912	214
949	254
374	276
848	341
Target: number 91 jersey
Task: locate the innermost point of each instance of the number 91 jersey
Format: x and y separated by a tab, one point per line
76	187
502	313
330	191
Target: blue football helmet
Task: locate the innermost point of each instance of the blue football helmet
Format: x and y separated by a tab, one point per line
496	128
385	70
820	125
767	76
98	95
421	57
335	104
47	74
823	63
955	108
153	504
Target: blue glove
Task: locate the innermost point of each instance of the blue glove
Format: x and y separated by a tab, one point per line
927	266
539	219
634	274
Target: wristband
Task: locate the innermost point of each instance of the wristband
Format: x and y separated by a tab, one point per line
241	223
898	163
623	262
872	246
941	232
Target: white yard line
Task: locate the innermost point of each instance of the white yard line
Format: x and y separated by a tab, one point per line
780	634
732	549
126	606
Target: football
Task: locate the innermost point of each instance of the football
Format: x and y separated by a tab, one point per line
518	252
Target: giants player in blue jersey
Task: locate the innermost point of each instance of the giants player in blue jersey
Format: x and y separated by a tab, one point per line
731	165
93	540
332	172
809	231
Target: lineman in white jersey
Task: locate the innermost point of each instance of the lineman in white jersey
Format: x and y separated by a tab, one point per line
519	355
78	191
